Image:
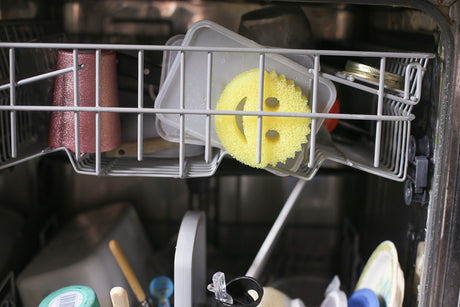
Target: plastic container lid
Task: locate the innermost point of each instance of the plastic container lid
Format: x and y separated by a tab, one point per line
363	298
75	296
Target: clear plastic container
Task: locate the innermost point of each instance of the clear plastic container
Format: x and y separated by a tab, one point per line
225	66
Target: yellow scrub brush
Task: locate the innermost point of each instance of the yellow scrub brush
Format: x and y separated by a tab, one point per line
282	137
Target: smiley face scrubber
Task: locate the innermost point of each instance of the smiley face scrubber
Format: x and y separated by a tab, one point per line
282	137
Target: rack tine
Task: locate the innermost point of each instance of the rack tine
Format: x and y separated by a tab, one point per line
260	107
378	130
76	103
182	119
140	104
13	134
98	114
207	153
314	108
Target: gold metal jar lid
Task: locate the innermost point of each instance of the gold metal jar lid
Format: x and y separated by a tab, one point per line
373	74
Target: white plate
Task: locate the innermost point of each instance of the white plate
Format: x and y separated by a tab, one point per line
383	275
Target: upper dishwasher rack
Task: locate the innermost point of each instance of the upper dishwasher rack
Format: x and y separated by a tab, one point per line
24	114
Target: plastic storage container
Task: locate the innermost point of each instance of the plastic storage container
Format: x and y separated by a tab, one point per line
225	66
79	255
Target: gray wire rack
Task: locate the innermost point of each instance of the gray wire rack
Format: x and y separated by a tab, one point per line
388	157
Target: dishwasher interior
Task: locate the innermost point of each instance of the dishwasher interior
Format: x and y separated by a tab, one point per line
372	175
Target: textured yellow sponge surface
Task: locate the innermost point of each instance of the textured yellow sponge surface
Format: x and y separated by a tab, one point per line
282	137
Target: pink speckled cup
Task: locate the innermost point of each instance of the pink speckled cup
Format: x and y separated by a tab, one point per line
62	124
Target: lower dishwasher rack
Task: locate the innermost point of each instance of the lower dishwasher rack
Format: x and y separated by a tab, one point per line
25	114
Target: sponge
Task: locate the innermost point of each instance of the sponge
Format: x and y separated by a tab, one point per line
282	137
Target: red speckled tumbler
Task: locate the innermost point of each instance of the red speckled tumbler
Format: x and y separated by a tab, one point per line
62	124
